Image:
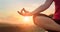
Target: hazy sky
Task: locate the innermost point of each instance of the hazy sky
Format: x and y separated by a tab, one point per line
10	7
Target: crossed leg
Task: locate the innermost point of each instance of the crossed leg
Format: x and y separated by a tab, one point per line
46	23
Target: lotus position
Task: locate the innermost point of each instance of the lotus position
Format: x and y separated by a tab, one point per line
52	25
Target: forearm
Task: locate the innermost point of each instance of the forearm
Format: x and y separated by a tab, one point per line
39	9
43	7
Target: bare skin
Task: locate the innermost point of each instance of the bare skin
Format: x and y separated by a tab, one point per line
43	7
46	23
41	21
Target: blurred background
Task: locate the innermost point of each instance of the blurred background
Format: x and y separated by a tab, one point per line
9	8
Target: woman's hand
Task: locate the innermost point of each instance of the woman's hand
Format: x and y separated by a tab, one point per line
24	13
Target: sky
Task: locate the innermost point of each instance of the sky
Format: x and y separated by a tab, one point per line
9	8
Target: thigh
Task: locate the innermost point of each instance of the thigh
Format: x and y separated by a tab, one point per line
45	22
41	20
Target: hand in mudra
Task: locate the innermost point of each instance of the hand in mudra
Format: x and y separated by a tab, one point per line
24	13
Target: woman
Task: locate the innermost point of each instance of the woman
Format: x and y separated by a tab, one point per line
46	22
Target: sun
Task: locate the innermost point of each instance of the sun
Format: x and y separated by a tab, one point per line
27	20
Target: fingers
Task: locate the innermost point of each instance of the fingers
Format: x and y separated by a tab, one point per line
26	13
19	12
25	10
22	10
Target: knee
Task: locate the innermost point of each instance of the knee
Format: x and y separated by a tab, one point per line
38	21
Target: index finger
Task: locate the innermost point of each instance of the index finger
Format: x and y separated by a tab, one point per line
19	12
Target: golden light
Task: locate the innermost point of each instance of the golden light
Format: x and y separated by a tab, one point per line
28	20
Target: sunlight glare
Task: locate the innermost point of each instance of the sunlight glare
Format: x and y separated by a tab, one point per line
26	18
